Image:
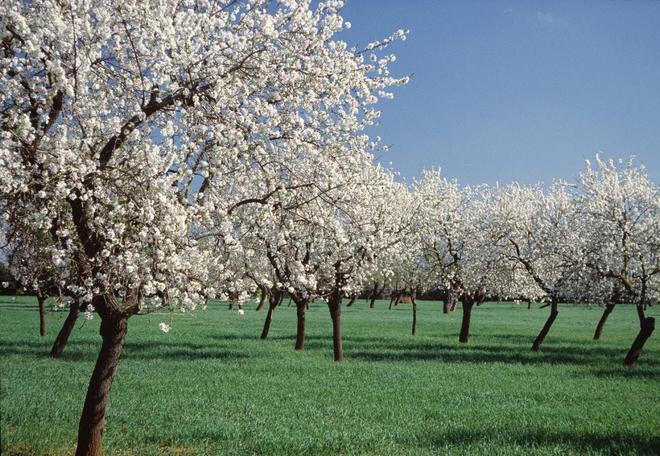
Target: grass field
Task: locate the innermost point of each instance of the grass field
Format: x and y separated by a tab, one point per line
211	387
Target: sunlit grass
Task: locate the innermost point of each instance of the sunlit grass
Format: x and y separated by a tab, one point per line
211	387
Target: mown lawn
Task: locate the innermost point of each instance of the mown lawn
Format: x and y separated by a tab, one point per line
211	387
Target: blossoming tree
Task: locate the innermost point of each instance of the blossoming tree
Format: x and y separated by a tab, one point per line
118	118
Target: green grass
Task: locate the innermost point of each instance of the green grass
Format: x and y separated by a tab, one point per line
211	387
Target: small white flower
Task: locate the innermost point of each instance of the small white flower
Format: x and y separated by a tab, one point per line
241	312
164	327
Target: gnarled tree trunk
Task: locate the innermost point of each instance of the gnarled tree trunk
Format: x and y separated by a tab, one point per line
646	328
601	323
334	305
63	336
41	299
546	327
465	324
92	422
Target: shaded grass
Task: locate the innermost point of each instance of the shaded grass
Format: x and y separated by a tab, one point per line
211	387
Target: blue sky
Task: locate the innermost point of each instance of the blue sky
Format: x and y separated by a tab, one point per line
522	91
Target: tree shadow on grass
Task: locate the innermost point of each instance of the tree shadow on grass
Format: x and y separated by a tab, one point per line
549	441
178	351
86	351
477	353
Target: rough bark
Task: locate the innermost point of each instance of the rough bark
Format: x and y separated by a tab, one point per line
92	422
601	323
546	327
334	304
646	328
465	323
63	336
300	328
41	299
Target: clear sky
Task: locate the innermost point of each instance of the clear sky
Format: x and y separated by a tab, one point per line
522	91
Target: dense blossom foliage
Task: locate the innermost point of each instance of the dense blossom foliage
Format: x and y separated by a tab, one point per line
130	130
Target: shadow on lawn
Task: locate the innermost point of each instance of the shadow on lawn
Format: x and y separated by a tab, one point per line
88	351
382	350
582	442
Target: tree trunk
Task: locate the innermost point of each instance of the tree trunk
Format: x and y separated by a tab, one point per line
300	330
599	329
465	324
414	322
445	306
352	300
63	336
41	299
453	301
269	316
262	299
646	327
529	305
546	328
334	304
374	295
231	305
92	422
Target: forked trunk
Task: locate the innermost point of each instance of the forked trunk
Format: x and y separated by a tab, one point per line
63	336
546	328
334	304
41	299
92	422
300	330
646	327
601	323
465	324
